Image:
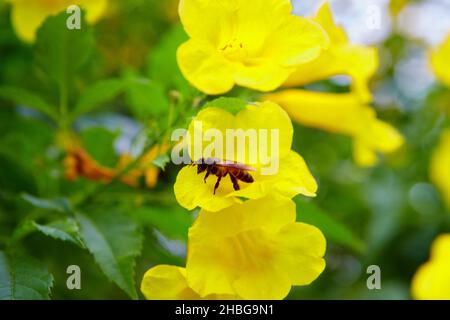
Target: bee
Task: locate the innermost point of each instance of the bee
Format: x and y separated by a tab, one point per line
222	168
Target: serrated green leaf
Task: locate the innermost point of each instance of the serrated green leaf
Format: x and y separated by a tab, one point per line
115	241
22	97
63	229
232	105
60	204
23	278
98	94
333	230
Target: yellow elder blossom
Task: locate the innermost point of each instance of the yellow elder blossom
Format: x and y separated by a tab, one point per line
344	114
440	61
432	280
251	43
165	282
28	15
440	164
254	250
292	177
341	58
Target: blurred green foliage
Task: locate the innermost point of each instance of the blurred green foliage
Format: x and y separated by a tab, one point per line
125	66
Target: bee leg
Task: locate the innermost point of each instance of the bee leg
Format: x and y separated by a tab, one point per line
208	171
217	184
235	182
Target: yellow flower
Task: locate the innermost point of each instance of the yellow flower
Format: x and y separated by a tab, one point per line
251	43
344	114
432	280
440	61
27	16
439	167
254	250
292	176
145	167
341	58
165	282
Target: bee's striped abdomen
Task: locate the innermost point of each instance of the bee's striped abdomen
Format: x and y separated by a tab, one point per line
243	176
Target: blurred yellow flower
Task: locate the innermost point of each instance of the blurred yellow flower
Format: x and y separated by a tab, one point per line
251	43
165	282
27	16
292	176
440	164
432	280
440	61
145	168
344	114
254	250
341	58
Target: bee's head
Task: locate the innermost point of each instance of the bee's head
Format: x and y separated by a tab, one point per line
201	167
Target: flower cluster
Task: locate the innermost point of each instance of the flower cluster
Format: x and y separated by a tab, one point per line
348	114
246	243
251	249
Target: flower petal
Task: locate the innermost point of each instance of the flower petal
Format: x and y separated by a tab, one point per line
192	191
301	250
225	245
341	58
440	62
344	114
293	178
439	172
204	68
165	282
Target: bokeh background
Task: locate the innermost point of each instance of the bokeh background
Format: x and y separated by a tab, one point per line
387	215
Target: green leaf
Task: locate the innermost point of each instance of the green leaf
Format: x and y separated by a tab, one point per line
99	143
162	63
60	52
232	105
24	98
60	204
161	161
146	98
98	94
115	241
23	278
173	222
333	230
63	229
14	177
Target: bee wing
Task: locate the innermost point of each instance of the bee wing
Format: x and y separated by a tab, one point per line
240	166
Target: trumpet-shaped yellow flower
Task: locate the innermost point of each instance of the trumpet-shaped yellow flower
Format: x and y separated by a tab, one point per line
440	62
252	43
344	114
27	16
432	280
289	178
439	167
341	58
254	250
165	282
